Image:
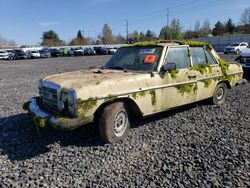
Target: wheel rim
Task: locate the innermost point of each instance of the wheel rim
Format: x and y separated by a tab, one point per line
120	123
220	94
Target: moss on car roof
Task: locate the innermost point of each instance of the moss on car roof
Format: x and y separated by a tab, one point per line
180	42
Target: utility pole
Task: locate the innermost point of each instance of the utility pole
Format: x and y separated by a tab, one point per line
167	16
127	29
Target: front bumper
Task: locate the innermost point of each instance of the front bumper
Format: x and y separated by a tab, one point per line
42	118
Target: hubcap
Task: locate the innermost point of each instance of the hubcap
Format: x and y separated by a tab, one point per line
220	94
120	123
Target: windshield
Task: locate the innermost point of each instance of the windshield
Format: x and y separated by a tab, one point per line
135	58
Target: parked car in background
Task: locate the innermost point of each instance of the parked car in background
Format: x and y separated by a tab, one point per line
101	50
21	54
4	55
35	54
12	54
78	51
71	52
235	48
139	80
45	53
244	60
56	52
111	50
89	51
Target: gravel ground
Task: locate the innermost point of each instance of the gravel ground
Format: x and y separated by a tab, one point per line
200	145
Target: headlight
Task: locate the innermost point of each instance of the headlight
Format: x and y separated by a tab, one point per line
71	97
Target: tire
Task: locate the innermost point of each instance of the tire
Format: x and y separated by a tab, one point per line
220	94
114	123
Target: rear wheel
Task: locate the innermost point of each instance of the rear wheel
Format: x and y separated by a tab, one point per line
220	94
114	123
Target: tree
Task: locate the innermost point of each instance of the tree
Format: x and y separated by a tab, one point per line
229	26
50	38
218	29
197	26
6	42
79	35
150	35
119	39
245	16
191	35
165	33
79	40
205	29
107	37
176	29
171	32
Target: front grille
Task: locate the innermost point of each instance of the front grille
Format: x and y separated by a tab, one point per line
49	99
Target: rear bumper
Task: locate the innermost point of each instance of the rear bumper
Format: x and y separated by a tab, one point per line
42	118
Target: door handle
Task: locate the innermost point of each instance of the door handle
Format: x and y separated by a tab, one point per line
192	76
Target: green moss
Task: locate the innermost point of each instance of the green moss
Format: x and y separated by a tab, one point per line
186	88
141	93
97	83
148	43
195	44
202	68
174	73
224	66
153	97
207	82
25	106
110	98
228	78
83	106
41	122
134	95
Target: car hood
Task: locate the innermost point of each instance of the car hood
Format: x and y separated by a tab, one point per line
101	83
245	53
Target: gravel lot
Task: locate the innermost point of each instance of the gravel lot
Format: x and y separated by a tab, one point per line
200	145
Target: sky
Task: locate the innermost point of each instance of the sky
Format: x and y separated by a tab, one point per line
24	21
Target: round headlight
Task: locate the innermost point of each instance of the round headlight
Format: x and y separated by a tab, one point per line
71	97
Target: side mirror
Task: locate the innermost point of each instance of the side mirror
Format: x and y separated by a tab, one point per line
169	67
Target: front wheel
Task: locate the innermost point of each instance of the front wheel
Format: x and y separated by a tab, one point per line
220	94
114	123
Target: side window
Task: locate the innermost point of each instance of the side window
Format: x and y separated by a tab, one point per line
210	59
198	56
179	56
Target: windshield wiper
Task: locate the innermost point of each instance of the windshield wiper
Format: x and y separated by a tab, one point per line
117	67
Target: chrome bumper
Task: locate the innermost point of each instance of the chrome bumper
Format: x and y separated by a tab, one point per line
42	118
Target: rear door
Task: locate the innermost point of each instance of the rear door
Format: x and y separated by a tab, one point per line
207	71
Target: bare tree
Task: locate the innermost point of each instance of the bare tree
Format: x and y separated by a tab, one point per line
197	26
205	29
107	36
6	42
245	16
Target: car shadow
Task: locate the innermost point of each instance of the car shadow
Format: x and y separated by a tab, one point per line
20	140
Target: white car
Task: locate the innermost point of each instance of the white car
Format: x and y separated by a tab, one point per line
111	50
235	48
4	55
35	54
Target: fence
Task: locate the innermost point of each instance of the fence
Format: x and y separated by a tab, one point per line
219	43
